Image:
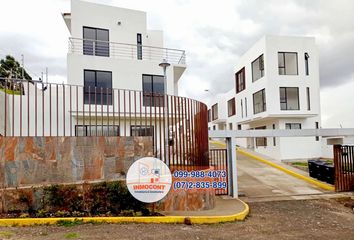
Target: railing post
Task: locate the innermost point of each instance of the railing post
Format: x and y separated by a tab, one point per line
231	167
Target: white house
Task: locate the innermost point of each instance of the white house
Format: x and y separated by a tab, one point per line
112	74
276	87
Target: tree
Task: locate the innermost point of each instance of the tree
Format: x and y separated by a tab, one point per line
11	69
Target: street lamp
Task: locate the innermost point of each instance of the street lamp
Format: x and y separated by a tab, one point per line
164	64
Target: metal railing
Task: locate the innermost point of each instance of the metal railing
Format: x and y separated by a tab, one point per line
125	51
177	125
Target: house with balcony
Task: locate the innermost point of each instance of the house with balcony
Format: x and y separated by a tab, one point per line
121	81
276	87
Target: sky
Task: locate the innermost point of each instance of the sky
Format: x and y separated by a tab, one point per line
214	34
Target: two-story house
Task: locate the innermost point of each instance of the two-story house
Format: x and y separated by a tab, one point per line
276	87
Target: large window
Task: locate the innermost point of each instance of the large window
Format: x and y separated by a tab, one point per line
261	141
214	112
97	87
307	63
153	90
259	101
96	41
96	130
292	125
141	131
287	63
289	98
240	80
231	107
258	68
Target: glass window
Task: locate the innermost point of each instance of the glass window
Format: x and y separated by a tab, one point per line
259	101
231	107
289	98
240	80
308	98
307	63
96	41
209	115
139	43
292	125
153	90
96	130
214	112
287	63
261	141
258	68
142	131
97	87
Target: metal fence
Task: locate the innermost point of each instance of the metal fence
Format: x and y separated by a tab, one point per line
344	168
125	51
177	125
218	160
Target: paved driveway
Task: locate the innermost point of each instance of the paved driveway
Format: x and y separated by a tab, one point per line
258	181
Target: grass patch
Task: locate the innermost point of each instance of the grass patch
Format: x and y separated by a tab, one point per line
71	235
9	91
6	234
68	223
302	164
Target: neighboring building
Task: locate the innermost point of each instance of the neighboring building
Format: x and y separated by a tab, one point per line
276	87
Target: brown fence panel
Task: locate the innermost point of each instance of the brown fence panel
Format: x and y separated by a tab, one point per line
178	125
344	168
218	160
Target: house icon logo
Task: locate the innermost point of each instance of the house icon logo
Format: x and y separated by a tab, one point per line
149	179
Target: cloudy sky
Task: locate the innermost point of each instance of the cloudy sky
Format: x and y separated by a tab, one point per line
214	34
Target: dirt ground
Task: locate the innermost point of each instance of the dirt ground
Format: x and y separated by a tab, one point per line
308	219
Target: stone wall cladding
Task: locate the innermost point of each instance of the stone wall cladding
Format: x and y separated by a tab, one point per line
27	161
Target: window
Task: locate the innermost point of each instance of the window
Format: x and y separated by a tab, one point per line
317	125
139	43
214	112
239	127
209	115
289	98
231	107
274	139
142	131
97	87
230	126
240	80
259	101
96	41
153	90
292	125
214	127
307	63
287	63
96	130
258	68
241	109
308	98
261	141
246	106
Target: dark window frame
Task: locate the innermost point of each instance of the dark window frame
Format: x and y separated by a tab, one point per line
106	92
261	67
153	99
139	43
97	126
308	98
286	99
104	43
232	101
264	103
284	67
214	112
291	125
307	72
240	84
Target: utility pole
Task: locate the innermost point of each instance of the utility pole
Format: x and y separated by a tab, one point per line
23	66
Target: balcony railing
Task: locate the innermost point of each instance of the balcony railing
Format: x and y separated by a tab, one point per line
178	125
125	51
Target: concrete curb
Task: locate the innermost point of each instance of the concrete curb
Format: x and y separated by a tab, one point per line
163	219
292	173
